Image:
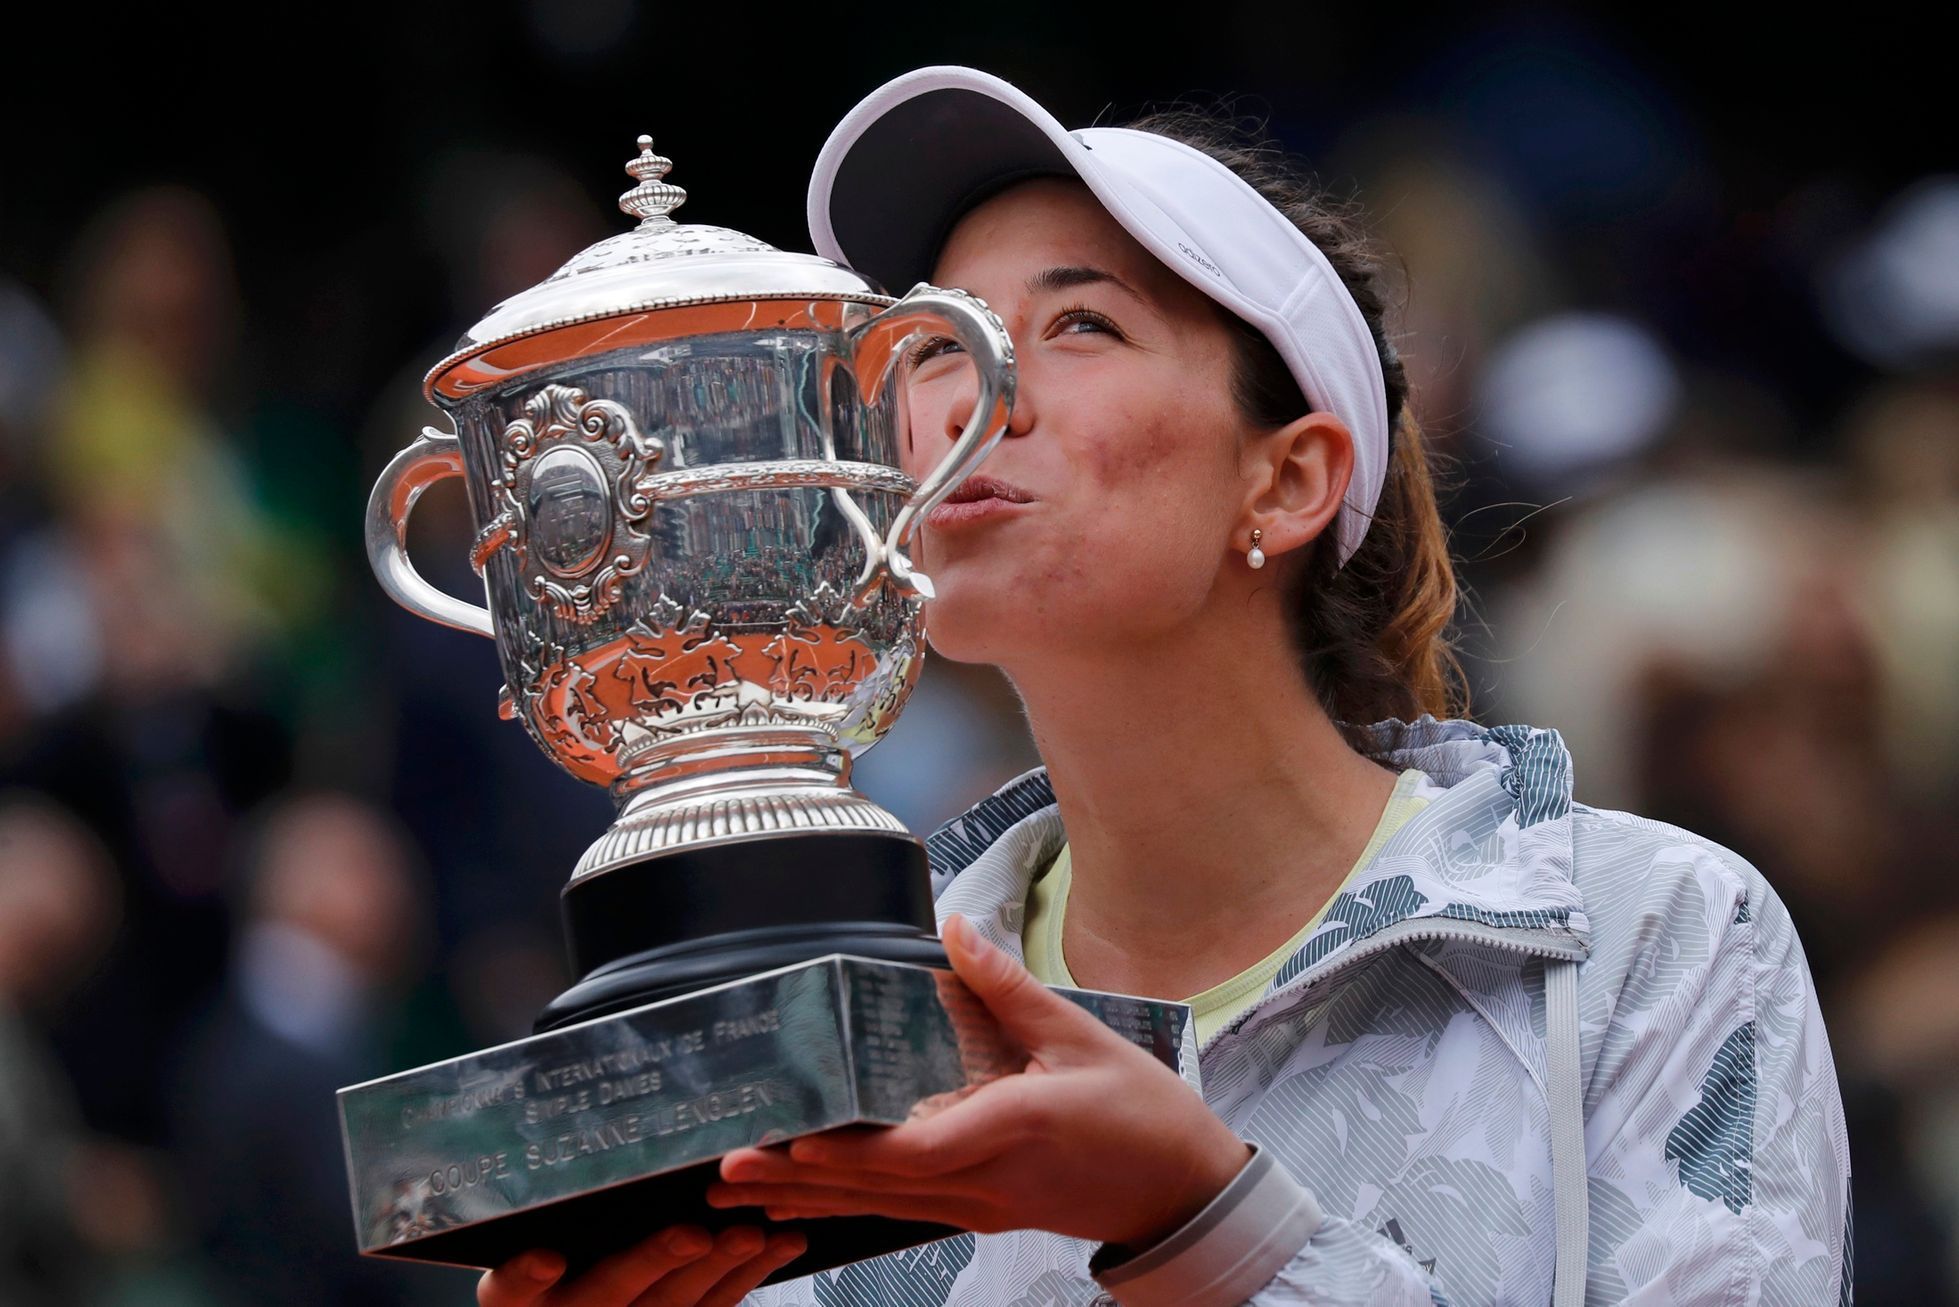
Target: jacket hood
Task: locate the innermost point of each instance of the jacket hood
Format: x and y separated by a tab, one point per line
1492	848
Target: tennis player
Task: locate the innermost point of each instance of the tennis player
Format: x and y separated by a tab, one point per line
1462	1039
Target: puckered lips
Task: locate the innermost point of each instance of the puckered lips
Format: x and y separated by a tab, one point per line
977	499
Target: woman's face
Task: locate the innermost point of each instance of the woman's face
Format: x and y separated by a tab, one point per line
1120	489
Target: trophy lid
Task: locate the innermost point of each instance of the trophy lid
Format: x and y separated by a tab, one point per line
660	280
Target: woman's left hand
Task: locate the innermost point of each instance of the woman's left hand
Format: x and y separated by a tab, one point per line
1095	1138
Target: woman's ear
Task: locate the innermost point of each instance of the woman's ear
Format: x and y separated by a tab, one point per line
1299	475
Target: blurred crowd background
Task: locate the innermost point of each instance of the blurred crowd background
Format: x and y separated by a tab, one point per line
1681	304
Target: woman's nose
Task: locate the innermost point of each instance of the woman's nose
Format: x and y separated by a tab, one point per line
1020	416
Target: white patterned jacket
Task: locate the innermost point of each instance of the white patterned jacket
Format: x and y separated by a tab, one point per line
1517	992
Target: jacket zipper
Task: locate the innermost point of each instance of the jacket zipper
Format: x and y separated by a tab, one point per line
1528	943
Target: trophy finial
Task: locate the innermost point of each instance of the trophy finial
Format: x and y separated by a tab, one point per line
653	199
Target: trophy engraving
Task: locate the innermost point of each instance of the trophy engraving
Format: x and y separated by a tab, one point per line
573	492
681	453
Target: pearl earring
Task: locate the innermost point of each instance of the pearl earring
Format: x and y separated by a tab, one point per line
1257	556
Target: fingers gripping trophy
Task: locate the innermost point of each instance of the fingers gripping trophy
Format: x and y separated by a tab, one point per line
681	455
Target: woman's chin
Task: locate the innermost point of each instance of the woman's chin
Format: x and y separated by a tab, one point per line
959	645
965	631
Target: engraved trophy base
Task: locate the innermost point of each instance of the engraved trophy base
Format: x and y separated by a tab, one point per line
592	1136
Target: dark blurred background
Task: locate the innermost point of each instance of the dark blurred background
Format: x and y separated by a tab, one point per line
1682	304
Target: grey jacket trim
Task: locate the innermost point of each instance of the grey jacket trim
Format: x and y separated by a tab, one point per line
1225	1253
1567	1104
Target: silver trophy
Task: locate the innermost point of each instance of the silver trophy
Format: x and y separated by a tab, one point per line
681	456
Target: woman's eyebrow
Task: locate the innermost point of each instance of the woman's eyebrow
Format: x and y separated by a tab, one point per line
1066	278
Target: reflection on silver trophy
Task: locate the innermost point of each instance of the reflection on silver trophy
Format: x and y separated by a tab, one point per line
681	454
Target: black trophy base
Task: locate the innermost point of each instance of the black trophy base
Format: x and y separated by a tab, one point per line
694	919
690	921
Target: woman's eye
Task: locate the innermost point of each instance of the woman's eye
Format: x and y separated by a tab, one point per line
1072	320
930	348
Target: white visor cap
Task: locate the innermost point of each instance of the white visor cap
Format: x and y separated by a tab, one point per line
915	154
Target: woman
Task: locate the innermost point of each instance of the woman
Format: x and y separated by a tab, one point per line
1463	1039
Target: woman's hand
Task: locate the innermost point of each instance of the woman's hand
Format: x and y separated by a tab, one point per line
678	1267
1094	1139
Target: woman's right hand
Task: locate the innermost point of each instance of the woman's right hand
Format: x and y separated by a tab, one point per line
679	1267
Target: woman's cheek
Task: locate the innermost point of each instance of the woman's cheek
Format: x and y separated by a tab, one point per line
1118	579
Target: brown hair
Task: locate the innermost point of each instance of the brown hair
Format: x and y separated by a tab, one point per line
1375	636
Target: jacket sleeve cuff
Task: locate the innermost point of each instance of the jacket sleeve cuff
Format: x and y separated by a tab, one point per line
1225	1253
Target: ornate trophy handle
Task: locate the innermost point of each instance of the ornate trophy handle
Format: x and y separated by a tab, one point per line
980	332
434	456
